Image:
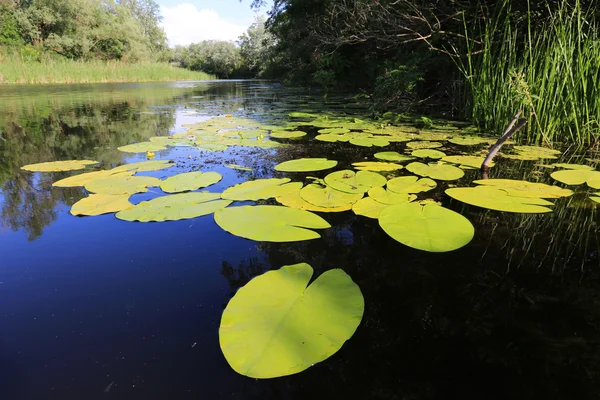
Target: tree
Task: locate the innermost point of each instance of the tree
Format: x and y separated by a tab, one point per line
256	48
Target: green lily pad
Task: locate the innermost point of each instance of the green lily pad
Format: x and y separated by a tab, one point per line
573	166
526	189
260	189
334	131
441	172
392	156
212	146
332	138
536	149
239	167
83	179
388	197
596	197
368	207
423	144
578	177
144	166
142	147
270	223
468	140
306	165
369	141
430	228
98	204
303	115
288	134
58	166
376	166
278	324
189	181
495	198
121	183
294	200
328	197
469	161
410	184
428	153
174	207
350	182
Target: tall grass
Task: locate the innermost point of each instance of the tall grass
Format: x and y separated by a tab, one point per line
551	71
16	70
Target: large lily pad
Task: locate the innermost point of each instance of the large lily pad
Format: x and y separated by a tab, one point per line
495	198
431	227
306	165
468	140
410	184
388	197
578	177
294	200
423	144
526	189
174	207
142	147
369	141
469	161
328	197
122	183
428	153
368	207
144	166
573	166
334	131
189	181
98	204
441	172
376	166
259	189
392	156
270	223
82	179
59	166
278	325
350	182
288	134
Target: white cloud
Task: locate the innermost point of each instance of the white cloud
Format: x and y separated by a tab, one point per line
185	24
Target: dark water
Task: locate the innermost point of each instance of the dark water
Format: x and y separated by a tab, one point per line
98	308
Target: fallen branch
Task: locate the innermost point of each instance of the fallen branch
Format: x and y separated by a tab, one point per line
513	127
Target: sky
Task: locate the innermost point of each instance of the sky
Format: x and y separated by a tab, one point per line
191	21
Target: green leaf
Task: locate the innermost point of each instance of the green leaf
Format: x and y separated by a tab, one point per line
497	199
270	223
441	172
334	131
332	138
526	189
410	184
368	207
212	146
239	167
578	177
468	140
388	197
98	204
83	179
288	134
376	166
423	144
142	147
328	197
144	166
369	141
260	189
430	228
428	153
189	181
572	166
294	200
276	326
392	156
121	183
174	207
469	161
350	182
58	166
306	165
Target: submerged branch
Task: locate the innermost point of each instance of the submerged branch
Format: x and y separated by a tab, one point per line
513	127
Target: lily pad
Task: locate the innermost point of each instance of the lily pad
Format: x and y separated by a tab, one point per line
495	198
388	197
596	197
189	181
578	177
294	200
142	147
332	138
526	189
369	141
82	179
212	146
441	172
392	156
328	197
260	189
144	166
469	161
239	167
376	166
573	166
288	134
410	184
122	183
468	140
423	144
306	165
368	207
58	166
350	182
428	153
278	324
270	223
430	228
334	131
174	207
98	204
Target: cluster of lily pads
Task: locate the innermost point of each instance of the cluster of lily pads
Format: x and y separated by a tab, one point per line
255	328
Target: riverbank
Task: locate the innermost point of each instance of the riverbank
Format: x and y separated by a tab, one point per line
15	71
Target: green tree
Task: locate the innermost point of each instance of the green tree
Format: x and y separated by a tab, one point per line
256	48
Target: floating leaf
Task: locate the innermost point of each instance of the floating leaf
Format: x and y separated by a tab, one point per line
334	131
526	189
303	115
430	228
122	183
441	172
278	325
189	181
392	156
388	197
350	182
260	189
82	179
98	204
59	166
536	149
369	141
287	134
174	207
410	184
376	166
212	146
368	207
428	153
239	167
306	165
270	223
595	197
468	140
294	200
423	144
332	138
573	166
469	161
578	177
144	166
142	147
529	153
328	197
497	199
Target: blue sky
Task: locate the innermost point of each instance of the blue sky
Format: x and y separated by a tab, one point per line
189	21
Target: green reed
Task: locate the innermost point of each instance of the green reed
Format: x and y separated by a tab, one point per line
551	71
